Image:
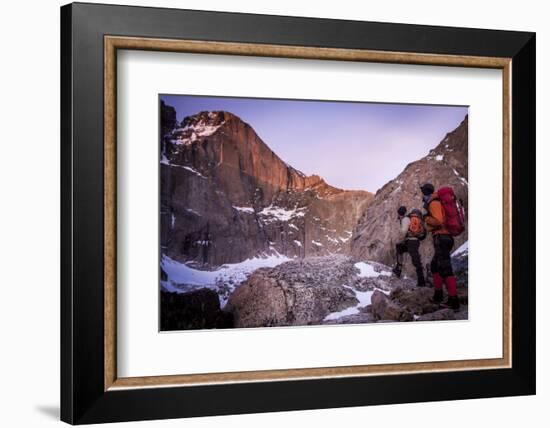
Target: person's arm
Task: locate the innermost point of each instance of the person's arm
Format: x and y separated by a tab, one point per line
404	228
436	215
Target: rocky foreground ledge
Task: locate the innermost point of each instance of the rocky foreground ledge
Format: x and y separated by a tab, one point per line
311	291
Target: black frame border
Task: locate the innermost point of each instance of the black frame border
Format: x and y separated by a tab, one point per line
83	399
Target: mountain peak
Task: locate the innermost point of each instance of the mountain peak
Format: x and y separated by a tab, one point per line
212	118
198	126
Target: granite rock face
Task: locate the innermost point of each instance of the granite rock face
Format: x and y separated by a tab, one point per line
226	196
168	120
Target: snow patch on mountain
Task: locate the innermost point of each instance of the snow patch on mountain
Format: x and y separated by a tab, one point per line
345	239
366	270
182	278
192	211
273	213
461	250
248	210
164	160
464	181
194	171
364	298
333	240
193	132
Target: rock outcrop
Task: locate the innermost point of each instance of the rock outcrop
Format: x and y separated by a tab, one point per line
439	315
226	196
168	120
334	290
300	292
407	303
198	309
383	308
460	264
375	235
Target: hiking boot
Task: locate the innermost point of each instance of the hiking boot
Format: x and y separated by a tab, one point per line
397	271
453	303
438	295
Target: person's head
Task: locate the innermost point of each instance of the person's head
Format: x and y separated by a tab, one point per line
427	189
401	211
416	212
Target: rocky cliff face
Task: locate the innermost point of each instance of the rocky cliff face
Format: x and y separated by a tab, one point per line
375	235
226	196
168	119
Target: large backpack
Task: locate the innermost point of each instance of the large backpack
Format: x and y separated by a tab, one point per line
454	212
416	225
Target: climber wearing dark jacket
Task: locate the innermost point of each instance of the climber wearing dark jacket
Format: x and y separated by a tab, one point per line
408	243
441	267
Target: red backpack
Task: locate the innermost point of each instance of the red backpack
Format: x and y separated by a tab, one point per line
454	212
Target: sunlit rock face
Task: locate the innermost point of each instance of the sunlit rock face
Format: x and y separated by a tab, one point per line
226	197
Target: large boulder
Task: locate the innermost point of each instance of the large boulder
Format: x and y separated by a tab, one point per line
415	303
300	292
418	300
383	308
198	309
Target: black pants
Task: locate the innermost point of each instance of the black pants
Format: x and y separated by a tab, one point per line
441	262
411	246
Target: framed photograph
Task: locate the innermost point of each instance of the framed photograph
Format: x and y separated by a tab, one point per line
263	244
266	213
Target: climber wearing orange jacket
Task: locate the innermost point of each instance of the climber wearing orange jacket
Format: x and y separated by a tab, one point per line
441	267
